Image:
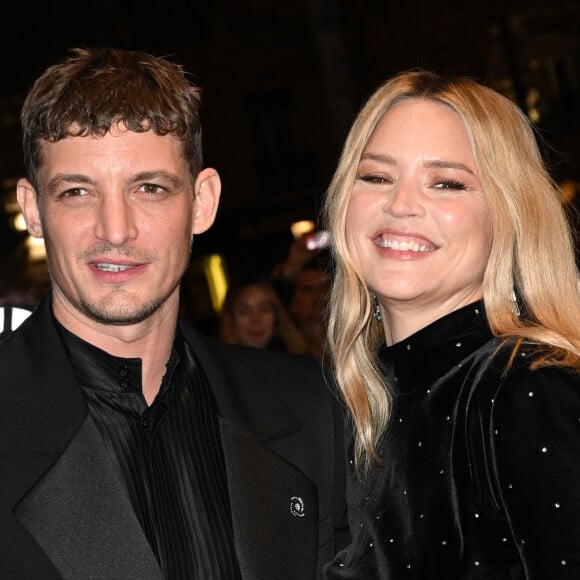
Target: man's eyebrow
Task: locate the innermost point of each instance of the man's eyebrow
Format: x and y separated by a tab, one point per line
157	174
61	179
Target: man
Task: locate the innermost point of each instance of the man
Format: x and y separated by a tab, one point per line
132	446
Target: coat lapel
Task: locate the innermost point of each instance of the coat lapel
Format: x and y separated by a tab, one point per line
274	504
61	484
80	514
274	509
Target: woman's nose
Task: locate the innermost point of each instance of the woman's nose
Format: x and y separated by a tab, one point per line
404	200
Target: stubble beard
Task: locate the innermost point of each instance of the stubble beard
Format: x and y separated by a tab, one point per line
121	315
117	312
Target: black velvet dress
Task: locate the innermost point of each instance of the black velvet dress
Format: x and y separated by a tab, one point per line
481	470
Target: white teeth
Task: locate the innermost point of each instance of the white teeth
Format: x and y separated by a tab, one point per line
404	246
112	267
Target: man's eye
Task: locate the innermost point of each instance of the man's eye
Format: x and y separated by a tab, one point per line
74	192
152	188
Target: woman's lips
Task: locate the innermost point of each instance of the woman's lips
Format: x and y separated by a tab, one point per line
404	243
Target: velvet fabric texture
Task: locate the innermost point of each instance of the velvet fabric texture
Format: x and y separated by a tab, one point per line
480	473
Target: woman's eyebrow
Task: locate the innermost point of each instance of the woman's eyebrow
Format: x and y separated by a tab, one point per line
445	164
380	157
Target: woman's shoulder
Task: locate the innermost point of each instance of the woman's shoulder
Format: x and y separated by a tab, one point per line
500	369
537	394
519	404
522	423
520	375
508	393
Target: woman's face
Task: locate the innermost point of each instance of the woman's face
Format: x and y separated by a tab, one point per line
254	317
418	226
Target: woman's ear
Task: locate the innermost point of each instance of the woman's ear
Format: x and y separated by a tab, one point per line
208	188
28	202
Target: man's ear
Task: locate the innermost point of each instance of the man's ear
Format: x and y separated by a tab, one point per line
28	202
208	187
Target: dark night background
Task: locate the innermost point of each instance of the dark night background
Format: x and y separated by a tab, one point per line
282	82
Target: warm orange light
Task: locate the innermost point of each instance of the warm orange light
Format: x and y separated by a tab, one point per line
36	249
302	227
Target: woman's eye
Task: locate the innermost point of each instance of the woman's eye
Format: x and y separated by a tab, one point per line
376	179
450	184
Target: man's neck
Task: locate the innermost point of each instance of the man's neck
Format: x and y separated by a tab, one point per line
150	340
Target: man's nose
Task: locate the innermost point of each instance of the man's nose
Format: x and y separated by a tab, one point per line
115	221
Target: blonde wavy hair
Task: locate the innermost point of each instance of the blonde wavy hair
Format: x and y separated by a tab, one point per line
532	249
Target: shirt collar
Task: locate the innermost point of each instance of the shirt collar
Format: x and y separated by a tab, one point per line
100	370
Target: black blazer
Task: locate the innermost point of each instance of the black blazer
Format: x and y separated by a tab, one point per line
63	513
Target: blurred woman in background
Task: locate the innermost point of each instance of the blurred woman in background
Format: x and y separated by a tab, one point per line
253	315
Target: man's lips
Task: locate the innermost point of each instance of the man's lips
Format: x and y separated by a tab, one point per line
115	270
111	267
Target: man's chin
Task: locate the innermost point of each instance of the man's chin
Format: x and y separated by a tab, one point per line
120	315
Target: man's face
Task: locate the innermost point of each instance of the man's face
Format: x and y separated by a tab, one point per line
117	214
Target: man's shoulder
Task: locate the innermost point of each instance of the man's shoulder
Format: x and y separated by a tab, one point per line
271	361
297	376
253	359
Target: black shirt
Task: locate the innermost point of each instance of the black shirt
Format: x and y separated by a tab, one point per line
168	454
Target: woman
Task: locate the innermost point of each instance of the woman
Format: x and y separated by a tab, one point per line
252	315
454	329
